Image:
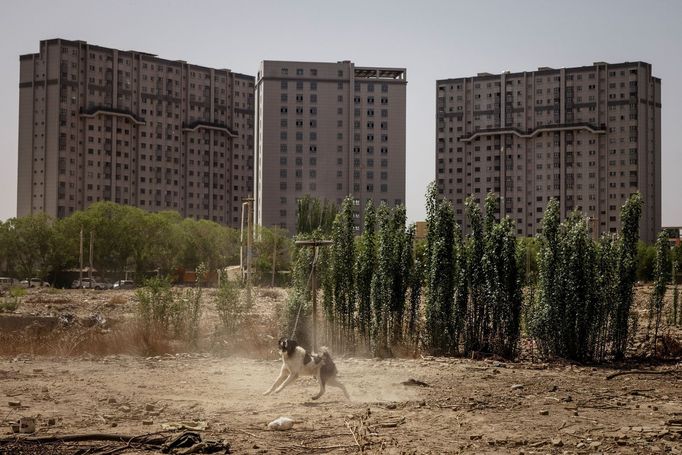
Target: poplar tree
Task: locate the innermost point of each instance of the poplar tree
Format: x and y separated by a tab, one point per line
661	280
364	271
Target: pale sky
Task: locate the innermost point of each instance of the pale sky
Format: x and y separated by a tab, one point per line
432	39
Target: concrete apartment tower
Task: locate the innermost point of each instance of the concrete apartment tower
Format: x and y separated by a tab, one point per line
328	130
587	136
104	124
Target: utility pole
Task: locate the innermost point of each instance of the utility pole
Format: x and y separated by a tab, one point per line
313	283
274	260
92	248
80	273
249	250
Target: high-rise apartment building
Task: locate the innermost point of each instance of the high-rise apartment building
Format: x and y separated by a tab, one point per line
104	124
587	136
328	130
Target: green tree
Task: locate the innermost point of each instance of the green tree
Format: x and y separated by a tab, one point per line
364	271
646	260
441	336
476	280
627	253
382	282
273	253
662	274
30	244
341	273
314	215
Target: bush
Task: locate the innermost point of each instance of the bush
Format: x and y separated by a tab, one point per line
155	304
12	300
231	309
186	314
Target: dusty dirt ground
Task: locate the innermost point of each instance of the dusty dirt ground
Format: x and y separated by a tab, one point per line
469	406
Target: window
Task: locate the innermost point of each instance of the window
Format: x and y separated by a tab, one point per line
299	71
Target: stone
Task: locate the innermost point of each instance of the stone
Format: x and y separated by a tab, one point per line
544	412
14	404
557	442
111	400
51	421
147	422
391	406
149	407
517	386
125	409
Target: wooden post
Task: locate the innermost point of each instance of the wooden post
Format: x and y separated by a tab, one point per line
80	274
274	261
249	250
313	285
313	282
92	248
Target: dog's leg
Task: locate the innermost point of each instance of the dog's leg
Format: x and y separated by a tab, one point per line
282	375
322	389
292	377
336	383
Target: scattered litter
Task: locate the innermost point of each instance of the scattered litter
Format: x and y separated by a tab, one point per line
192	443
517	387
193	426
281	423
14	404
27	425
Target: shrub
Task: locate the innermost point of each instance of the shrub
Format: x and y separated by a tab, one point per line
231	309
11	301
156	304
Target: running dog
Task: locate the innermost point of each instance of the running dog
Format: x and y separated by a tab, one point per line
297	362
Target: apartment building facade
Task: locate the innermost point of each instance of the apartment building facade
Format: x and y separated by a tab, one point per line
328	130
587	136
97	123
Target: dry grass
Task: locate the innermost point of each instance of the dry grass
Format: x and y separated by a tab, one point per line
76	341
118	300
269	293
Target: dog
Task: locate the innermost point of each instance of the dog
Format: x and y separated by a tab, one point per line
297	362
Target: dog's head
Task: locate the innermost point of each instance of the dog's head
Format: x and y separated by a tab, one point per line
287	345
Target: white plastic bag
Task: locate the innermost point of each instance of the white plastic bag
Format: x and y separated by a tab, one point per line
281	424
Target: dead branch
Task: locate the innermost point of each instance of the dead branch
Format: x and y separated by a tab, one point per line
622	373
150	438
354	437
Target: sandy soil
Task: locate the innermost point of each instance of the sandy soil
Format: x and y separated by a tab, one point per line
468	406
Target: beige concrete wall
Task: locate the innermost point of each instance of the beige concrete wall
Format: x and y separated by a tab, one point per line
317	121
135	129
574	134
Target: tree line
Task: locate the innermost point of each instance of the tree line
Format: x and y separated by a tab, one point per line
130	239
455	294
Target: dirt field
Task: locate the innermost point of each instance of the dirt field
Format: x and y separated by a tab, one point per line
467	406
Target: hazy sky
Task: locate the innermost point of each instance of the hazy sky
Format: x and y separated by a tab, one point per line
433	40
